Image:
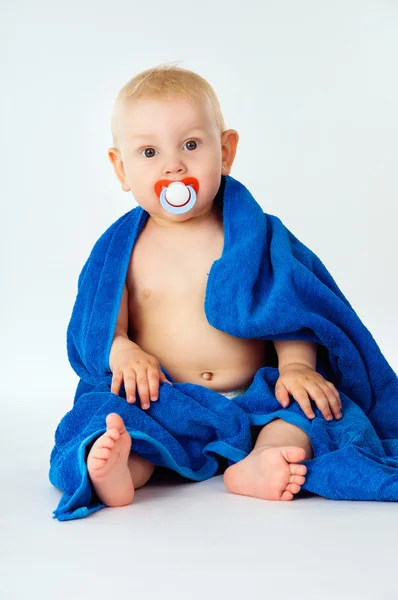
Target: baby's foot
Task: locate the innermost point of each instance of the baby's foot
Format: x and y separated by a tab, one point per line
269	473
107	464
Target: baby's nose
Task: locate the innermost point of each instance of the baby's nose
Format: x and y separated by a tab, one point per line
179	169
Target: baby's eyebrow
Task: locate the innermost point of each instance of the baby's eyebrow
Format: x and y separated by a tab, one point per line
153	135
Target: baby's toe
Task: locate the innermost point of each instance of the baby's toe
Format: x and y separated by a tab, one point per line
107	442
113	420
293	487
102	452
113	434
297	479
298	469
293	454
287	495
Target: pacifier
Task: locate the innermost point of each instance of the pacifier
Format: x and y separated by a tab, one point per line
177	197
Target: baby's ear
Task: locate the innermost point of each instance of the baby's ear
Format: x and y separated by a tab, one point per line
117	164
229	143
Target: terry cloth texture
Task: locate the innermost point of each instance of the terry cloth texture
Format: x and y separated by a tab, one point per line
268	285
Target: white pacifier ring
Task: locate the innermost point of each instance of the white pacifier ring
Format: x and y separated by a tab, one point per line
178	198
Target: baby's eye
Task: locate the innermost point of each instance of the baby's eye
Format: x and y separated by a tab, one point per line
147	150
192	142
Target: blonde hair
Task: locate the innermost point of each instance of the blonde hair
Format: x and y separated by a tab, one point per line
159	82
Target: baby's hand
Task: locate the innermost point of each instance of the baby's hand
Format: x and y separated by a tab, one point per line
297	379
137	368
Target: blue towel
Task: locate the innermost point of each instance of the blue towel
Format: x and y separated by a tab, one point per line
267	285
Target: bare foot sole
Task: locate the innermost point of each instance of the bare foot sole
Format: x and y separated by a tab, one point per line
268	473
107	464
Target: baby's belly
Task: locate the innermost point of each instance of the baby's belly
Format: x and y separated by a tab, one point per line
193	351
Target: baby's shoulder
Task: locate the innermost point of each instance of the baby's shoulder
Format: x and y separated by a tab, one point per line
119	226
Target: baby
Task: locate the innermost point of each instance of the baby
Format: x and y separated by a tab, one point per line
167	124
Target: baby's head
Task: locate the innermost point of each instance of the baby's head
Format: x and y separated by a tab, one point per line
167	124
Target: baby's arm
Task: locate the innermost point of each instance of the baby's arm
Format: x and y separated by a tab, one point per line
121	340
132	366
296	351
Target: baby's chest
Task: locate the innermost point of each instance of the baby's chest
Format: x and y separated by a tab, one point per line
158	274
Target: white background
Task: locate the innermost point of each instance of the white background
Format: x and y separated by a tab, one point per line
312	89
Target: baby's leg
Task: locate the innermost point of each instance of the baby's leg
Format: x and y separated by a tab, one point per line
115	472
140	469
271	471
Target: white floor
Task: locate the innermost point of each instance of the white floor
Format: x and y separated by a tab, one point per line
182	541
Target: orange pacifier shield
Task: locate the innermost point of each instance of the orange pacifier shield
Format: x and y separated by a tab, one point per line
177	197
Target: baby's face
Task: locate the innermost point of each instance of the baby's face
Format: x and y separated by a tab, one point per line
171	139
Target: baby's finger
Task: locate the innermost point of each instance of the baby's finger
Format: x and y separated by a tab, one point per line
163	378
318	395
335	392
333	402
303	400
117	379
143	388
153	381
281	394
130	387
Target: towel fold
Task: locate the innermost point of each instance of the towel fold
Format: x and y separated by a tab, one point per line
267	285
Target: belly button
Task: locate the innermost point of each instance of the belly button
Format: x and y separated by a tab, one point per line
207	375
